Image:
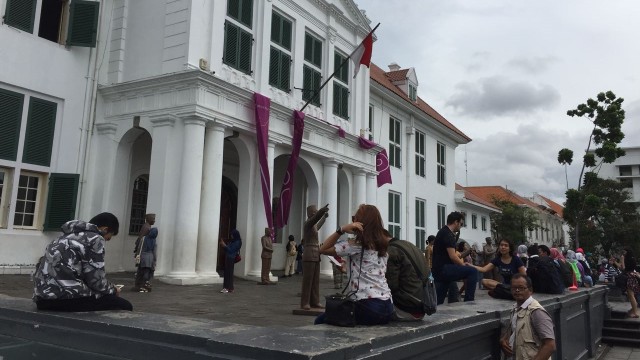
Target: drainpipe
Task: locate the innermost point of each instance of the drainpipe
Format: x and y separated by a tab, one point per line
87	131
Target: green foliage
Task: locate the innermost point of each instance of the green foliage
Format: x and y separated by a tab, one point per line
513	221
603	214
565	156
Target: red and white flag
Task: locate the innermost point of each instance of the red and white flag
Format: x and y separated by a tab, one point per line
362	54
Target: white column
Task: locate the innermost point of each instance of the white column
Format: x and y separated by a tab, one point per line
360	187
210	206
254	246
188	208
329	196
372	189
163	182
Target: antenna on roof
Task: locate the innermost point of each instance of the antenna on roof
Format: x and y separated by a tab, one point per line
466	169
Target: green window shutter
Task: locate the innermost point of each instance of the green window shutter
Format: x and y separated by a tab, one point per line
83	23
10	119
311	83
20	14
61	200
317	53
274	58
244	54
340	101
285	70
41	123
246	12
279	69
231	35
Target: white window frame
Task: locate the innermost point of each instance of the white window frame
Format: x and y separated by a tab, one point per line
395	127
442	215
483	223
39	201
441	158
421	220
394	220
4	194
474	221
421	150
371	116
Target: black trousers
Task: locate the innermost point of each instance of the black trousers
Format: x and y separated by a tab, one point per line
89	303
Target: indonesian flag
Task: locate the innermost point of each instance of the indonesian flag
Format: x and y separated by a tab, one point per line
362	54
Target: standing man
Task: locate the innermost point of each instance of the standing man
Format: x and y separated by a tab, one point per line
267	251
311	258
149	220
71	276
530	335
447	266
488	253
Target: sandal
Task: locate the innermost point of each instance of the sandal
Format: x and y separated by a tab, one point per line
631	315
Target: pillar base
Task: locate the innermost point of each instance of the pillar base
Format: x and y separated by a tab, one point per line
196	280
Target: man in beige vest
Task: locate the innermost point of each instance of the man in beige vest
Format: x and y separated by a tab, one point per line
530	335
267	251
311	258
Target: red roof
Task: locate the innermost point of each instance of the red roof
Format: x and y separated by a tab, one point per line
554	205
473	197
378	75
398	75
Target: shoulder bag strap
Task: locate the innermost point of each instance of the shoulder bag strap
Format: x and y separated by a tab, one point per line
360	267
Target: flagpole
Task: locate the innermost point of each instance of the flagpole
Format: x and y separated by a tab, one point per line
317	93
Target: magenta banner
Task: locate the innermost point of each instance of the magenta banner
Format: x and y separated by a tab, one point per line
382	162
282	215
263	104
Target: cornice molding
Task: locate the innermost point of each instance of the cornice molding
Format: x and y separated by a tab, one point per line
106	128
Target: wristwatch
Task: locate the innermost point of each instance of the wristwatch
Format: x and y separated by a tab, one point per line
339	230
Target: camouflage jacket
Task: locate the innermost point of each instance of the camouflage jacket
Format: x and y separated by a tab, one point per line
73	265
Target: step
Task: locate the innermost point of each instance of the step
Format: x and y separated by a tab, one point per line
621	341
633	324
621	332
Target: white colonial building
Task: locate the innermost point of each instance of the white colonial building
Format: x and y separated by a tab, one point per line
159	118
477	211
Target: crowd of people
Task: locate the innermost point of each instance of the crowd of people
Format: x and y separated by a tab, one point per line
385	275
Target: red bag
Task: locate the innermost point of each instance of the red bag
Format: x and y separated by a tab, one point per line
237	259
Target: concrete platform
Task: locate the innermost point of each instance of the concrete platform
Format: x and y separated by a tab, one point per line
256	322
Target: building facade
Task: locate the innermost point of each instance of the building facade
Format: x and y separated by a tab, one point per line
625	169
477	211
159	118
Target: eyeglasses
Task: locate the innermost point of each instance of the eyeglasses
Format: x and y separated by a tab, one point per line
519	289
353	218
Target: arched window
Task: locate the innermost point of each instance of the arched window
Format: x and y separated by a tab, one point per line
138	204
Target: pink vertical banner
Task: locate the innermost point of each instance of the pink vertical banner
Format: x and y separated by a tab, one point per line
282	215
382	167
263	105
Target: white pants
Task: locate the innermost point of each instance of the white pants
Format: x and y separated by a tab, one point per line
289	265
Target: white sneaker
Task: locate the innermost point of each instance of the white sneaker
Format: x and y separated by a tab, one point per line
224	291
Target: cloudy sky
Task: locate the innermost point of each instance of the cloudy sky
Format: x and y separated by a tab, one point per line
506	72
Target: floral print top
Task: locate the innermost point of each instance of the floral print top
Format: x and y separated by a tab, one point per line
373	283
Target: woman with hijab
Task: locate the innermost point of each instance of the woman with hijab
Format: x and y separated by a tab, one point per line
366	258
231	250
577	268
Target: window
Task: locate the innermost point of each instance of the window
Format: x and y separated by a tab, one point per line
11	105
483	223
311	70
628	183
442	217
441	159
464	219
413	92
394	143
138	204
340	87
420	153
394	214
370	122
41	123
421	232
73	25
238	41
26	211
474	221
625	170
280	56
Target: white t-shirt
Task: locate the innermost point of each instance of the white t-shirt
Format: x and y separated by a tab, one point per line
373	283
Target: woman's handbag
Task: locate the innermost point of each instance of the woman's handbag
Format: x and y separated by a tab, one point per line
340	309
237	259
140	251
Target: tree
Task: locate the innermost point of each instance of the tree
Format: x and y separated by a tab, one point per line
602	212
565	157
607	116
513	220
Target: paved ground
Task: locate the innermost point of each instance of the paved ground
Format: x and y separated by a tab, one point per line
622	353
250	304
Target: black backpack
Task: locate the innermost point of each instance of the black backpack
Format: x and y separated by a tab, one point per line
545	276
566	273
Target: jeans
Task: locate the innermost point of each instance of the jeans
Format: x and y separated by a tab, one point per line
449	273
369	312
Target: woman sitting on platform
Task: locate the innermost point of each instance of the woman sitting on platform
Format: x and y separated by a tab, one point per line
507	265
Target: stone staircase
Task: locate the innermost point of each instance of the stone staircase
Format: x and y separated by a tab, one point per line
618	329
